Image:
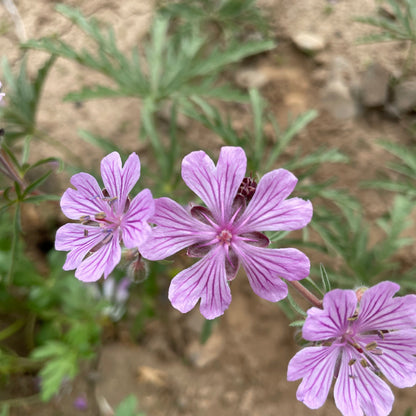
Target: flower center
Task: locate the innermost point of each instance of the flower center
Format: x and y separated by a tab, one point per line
225	237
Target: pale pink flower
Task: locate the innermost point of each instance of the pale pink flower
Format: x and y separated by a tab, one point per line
106	218
358	343
226	233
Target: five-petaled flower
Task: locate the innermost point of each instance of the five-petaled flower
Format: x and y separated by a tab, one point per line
357	341
106	217
226	232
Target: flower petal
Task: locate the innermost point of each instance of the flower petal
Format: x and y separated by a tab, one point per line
265	267
379	310
176	229
85	200
120	181
316	366
255	238
269	211
232	264
216	186
101	262
358	391
332	321
397	362
205	280
134	226
71	237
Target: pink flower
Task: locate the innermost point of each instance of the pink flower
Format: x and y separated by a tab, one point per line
106	217
356	342
226	233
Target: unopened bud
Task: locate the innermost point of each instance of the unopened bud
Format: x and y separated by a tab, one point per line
359	292
138	269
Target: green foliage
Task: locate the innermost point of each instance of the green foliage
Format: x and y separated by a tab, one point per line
60	364
253	141
174	64
263	152
347	236
68	320
207	329
400	26
21	191
128	407
23	97
233	18
174	68
405	168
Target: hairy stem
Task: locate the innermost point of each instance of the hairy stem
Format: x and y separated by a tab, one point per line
309	296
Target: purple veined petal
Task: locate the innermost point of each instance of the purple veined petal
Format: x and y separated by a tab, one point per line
120	181
379	310
134	226
199	174
332	321
231	169
255	238
358	391
85	200
265	267
175	230
269	211
205	280
397	361
202	214
101	262
216	186
71	237
232	264
198	250
316	366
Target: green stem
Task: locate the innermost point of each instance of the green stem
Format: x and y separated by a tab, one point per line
11	329
15	242
30	331
21	401
147	117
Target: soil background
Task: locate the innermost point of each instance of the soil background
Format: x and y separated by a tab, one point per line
241	370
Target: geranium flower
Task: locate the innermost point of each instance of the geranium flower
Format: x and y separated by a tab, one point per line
226	232
356	342
106	217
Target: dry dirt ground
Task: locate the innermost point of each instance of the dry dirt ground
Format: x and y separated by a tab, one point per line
242	368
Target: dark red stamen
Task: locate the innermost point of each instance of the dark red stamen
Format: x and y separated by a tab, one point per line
247	188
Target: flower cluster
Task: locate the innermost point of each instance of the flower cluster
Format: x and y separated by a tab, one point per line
356	342
224	234
356	337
